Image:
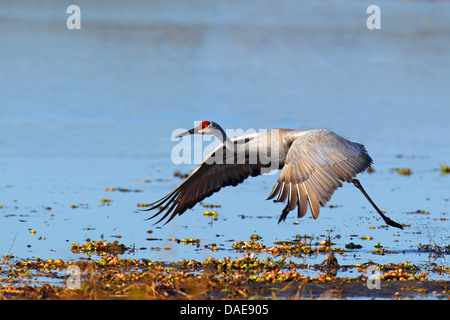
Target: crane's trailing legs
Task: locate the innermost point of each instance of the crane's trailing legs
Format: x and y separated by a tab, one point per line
386	219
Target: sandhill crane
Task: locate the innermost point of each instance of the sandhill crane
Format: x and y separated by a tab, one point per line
314	163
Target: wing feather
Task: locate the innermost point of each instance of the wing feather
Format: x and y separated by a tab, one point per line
204	181
303	200
316	165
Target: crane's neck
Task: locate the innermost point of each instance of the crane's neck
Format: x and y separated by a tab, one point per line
220	133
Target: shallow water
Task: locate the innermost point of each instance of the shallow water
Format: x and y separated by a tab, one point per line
85	110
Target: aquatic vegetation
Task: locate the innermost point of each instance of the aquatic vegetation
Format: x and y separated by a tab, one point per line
246	277
370	170
207	205
330	262
292	248
80	205
380	250
403	272
122	190
189	241
249	245
212	214
255	237
99	247
403	171
351	246
419	212
180	175
143	205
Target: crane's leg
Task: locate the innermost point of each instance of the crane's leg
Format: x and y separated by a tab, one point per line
386	219
284	213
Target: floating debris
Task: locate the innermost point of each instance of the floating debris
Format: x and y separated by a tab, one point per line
122	190
83	205
206	205
403	171
351	245
190	241
419	212
370	170
180	175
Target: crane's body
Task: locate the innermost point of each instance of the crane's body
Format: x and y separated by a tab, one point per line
313	163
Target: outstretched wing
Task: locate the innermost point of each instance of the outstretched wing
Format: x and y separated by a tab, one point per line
208	178
317	163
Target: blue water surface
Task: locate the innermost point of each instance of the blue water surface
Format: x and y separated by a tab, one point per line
95	108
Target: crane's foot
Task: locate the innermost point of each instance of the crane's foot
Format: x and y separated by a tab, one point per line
392	223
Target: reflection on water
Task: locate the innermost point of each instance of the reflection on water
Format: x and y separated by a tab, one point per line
90	109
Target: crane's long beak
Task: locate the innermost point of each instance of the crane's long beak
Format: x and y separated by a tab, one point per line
192	131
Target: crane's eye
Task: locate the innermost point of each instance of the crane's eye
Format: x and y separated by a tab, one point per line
205	124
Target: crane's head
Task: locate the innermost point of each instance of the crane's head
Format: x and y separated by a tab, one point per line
205	127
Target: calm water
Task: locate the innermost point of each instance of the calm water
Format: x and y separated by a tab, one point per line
84	110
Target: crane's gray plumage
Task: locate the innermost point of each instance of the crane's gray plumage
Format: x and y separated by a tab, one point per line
313	163
317	163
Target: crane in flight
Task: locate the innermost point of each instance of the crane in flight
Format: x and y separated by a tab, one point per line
313	163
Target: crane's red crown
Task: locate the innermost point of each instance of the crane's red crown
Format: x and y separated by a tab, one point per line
205	124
